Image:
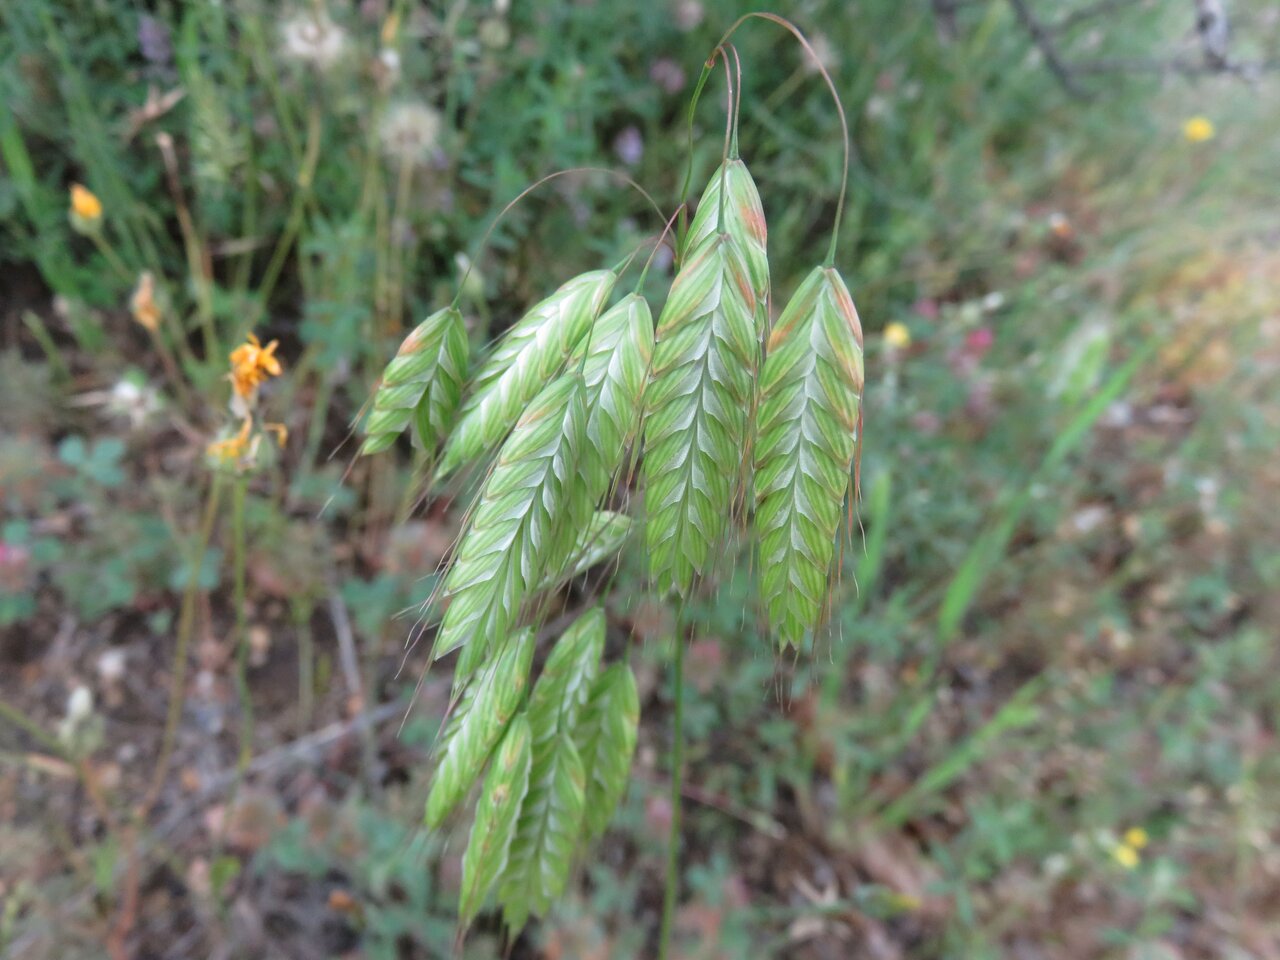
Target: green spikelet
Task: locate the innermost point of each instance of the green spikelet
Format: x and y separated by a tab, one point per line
530	512
811	391
699	399
603	537
422	383
698	431
616	371
744	221
606	741
525	359
552	814
478	723
497	814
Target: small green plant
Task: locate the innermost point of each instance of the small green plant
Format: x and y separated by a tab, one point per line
743	428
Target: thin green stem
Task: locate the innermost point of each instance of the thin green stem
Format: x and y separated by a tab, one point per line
242	632
306	175
671	887
835	96
528	190
186	625
111	256
306	663
23	722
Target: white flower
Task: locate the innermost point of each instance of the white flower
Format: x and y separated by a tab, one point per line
138	401
111	665
409	131
79	704
311	37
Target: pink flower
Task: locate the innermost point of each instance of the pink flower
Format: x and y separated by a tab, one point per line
978	342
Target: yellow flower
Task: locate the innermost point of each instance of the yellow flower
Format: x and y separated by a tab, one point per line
1125	855
231	450
84	204
251	364
1136	837
143	302
390	27
897	336
1198	130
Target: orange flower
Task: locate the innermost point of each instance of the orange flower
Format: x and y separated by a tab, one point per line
85	204
143	302
231	450
251	364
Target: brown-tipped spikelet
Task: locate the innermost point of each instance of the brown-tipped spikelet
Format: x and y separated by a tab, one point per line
811	392
702	388
423	383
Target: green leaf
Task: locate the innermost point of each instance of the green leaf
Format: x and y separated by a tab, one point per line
606	741
527	356
551	817
811	391
529	513
423	383
478	724
497	815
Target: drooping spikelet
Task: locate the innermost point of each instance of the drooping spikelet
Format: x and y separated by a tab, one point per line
552	814
530	512
811	392
744	221
701	391
497	815
423	383
477	724
618	352
527	356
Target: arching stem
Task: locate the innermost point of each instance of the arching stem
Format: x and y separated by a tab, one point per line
835	96
534	186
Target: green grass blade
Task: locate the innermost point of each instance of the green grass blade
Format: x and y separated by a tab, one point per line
982	556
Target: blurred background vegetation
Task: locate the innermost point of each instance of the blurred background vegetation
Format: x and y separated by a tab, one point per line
1044	724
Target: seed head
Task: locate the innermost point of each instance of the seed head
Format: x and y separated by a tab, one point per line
409	132
311	37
